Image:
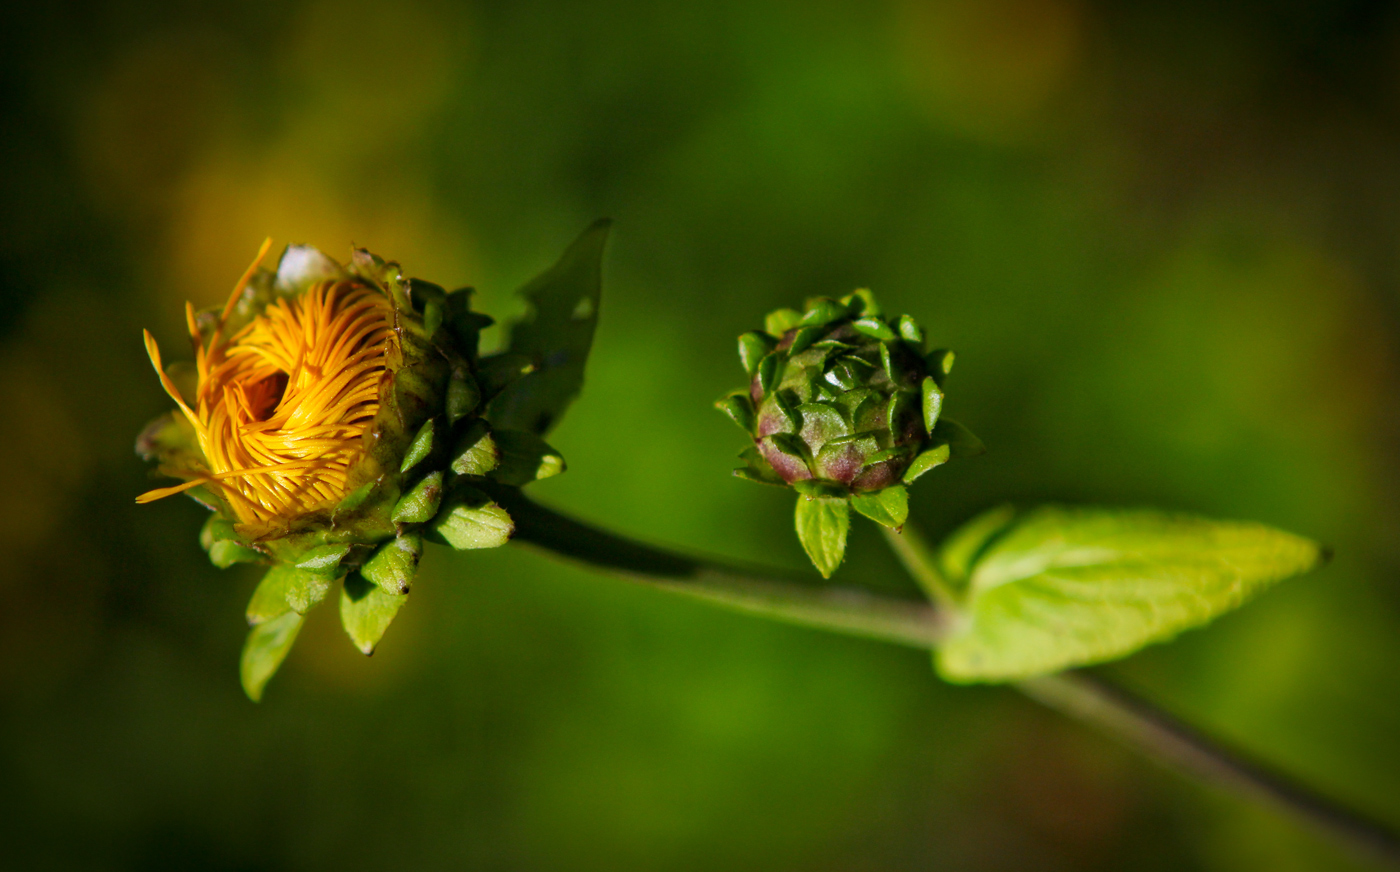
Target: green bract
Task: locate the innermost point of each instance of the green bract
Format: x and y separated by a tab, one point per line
444	437
845	406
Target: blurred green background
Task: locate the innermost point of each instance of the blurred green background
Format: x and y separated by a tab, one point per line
1162	238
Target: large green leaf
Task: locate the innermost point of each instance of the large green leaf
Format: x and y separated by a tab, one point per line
556	333
1061	587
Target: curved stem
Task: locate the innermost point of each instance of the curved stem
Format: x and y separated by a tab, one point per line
1086	698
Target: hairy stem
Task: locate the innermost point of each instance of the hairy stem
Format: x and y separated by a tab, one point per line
1089	699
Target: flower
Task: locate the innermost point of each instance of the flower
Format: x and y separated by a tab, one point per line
332	422
845	406
282	406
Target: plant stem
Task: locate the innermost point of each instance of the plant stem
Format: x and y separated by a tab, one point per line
914	552
1139	724
1086	698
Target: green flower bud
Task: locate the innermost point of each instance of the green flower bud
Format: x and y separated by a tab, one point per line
845	406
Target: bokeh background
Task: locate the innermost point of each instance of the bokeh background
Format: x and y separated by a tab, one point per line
1162	238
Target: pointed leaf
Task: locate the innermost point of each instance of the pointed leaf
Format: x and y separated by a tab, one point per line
463	396
1064	587
822	523
525	457
366	611
933	403
861	302
558	333
471	520
939	363
265	649
752	347
910	331
874	327
393	565
421	502
927	460
739	408
889	506
476	452
781	321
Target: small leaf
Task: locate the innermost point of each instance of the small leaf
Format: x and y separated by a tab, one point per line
471	520
821	526
781	321
752	347
933	403
939	363
910	331
739	408
265	649
421	502
355	498
226	552
900	407
476	452
285	587
366	611
889	506
393	565
324	559
961	441
803	339
757	469
874	327
768	369
822	422
861	302
557	332
1065	587
525	457
463	396
927	460
822	310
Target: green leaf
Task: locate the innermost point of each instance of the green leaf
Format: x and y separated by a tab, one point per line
226	552
939	363
421	502
925	461
910	331
1064	587
874	327
781	321
285	587
752	347
355	498
739	408
366	611
264	650
463	396
861	302
393	565
964	545
525	457
803	339
823	310
889	506
470	519
465	324
933	403
476	452
557	332
324	559
757	469
822	523
768	370
960	440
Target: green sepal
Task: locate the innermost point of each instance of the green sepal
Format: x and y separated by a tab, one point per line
226	552
823	310
939	363
862	302
962	441
466	325
811	487
899	405
804	337
421	502
781	321
927	460
752	347
324	559
889	506
393	565
787	411
758	469
910	331
285	587
420	447
366	610
476	452
739	408
933	403
470	519
264	650
874	327
888	454
822	422
355	498
463	396
525	457
822	523
769	368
